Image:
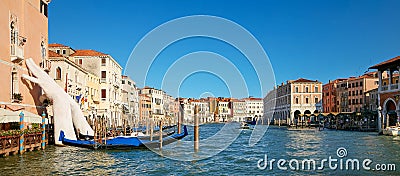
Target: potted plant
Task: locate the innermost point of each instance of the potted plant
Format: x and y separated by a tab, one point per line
17	97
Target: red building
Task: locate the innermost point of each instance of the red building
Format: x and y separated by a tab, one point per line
330	103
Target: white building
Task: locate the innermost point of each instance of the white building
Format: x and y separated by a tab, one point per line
254	107
239	112
288	101
130	101
109	71
203	110
157	101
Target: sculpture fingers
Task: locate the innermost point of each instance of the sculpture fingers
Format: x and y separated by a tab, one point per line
79	119
30	78
36	70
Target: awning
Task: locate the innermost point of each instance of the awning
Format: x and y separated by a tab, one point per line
7	116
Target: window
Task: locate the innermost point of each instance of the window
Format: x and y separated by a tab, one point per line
297	89
361	92
43	8
58	73
352	84
64	51
316	89
103	93
103	74
14	81
103	61
79	61
123	81
361	101
356	84
58	51
307	100
306	89
316	100
14	33
356	101
361	83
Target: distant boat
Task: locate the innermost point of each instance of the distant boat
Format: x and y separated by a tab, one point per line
250	120
123	142
244	126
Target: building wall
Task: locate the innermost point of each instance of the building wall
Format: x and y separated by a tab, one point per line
33	26
239	110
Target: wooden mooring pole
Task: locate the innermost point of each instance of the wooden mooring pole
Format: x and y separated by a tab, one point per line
196	128
161	134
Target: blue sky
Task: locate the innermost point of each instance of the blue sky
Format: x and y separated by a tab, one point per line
314	39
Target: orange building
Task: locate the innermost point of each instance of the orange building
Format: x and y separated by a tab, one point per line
23	34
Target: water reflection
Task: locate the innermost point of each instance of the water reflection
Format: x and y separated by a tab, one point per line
303	143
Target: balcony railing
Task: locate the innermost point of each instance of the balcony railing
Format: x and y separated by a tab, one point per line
385	88
45	64
17	53
392	87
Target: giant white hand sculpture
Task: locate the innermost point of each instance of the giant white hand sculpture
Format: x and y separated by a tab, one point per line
67	113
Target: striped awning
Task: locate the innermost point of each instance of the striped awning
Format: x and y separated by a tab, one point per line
7	116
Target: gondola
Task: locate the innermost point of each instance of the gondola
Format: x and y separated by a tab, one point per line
123	142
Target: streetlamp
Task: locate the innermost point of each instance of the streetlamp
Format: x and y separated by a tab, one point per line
379	120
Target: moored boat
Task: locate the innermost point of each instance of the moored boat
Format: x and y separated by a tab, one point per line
123	142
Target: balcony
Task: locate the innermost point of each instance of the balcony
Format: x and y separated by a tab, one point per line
17	53
389	88
45	65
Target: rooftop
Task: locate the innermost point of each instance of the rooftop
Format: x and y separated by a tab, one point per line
302	80
88	53
57	45
386	64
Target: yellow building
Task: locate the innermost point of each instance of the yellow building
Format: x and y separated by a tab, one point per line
93	94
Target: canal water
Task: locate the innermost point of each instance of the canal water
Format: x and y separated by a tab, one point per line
237	159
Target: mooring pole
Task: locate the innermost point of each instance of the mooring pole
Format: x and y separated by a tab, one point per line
21	136
161	134
180	118
151	129
196	128
43	131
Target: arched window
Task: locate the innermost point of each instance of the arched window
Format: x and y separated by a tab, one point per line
58	73
307	89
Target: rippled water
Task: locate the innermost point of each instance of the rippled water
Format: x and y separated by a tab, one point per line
237	159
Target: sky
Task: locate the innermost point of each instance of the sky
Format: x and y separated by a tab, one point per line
313	39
